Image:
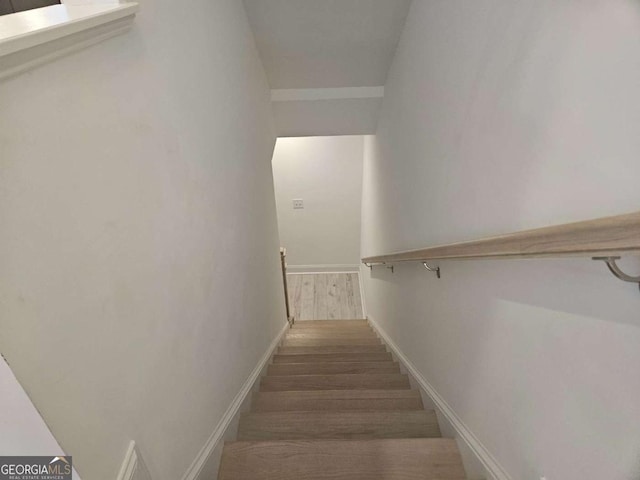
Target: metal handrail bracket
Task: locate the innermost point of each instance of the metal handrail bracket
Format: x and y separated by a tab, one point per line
382	264
616	271
432	269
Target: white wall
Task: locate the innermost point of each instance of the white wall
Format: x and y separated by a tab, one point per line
139	247
24	433
326	172
501	115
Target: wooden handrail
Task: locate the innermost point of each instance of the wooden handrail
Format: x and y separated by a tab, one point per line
603	237
283	266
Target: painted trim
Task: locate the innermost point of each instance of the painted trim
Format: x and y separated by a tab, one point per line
339	268
133	466
485	457
38	36
130	463
195	469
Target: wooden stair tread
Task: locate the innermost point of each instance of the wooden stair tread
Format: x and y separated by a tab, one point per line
329	341
374	381
336	400
333	357
334	406
320	331
382	459
330	323
324	349
332	328
307	333
332	368
338	425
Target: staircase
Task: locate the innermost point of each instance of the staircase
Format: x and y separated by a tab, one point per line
334	405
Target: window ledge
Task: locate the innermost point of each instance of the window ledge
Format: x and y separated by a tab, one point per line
30	38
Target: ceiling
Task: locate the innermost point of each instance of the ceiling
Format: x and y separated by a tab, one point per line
326	44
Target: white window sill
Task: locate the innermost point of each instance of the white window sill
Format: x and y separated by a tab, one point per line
36	36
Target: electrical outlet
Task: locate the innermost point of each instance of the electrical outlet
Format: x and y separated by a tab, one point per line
298	203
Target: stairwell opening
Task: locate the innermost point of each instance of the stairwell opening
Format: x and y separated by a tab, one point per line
318	190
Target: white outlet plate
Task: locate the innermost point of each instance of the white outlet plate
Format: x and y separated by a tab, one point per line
298	203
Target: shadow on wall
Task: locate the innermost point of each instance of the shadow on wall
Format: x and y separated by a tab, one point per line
538	283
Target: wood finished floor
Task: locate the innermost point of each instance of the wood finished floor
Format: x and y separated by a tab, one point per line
325	296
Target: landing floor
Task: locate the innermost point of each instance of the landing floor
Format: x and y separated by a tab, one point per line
325	296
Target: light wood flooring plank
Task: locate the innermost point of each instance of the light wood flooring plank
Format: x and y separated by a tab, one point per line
325	296
320	296
294	283
307	298
334	295
354	281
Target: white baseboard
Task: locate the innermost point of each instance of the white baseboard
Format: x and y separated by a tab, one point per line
218	435
133	468
488	461
341	268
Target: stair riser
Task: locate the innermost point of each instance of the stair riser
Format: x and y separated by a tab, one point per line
332	368
331	334
289	350
346	399
335	341
332	358
382	404
334	382
330	425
